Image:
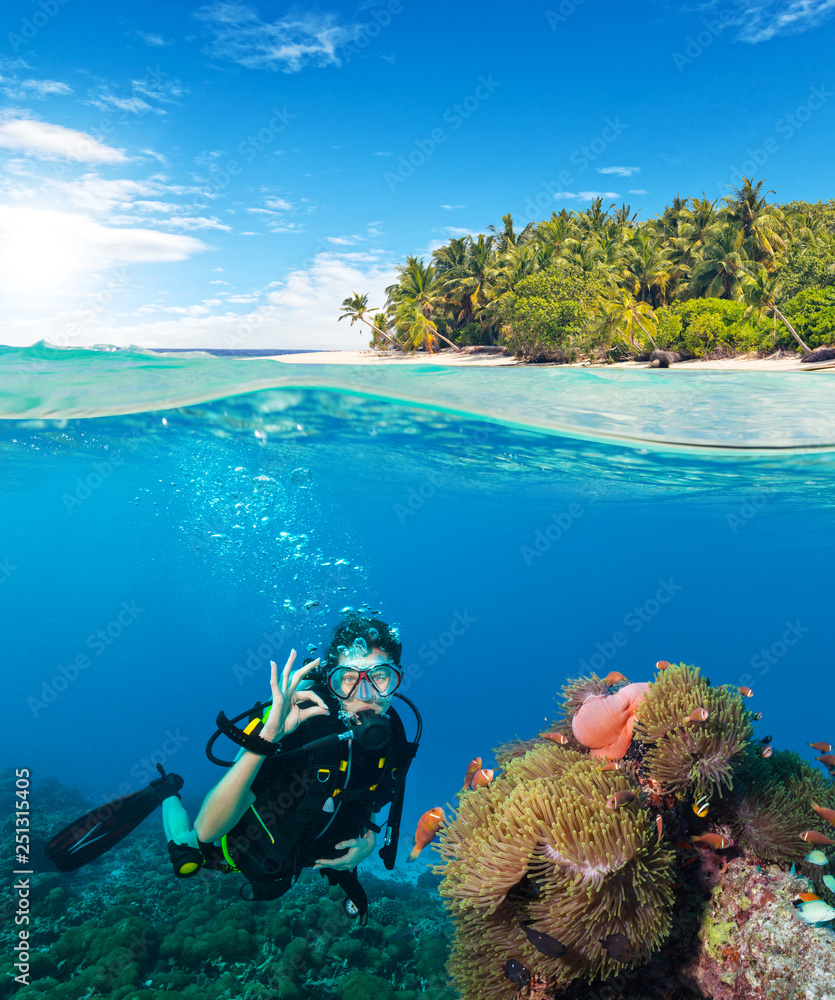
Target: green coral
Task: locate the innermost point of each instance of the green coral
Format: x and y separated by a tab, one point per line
364	986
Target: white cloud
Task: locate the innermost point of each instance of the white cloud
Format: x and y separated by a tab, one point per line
584	195
34	138
279	204
194	222
41	251
155	41
638	191
133	105
297	39
763	21
23	89
302	312
451	208
344	241
382	153
619	171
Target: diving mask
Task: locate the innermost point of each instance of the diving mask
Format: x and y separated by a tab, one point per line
375	683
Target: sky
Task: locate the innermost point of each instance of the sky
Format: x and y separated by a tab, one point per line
224	174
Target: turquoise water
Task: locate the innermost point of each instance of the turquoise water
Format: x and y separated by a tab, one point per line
175	518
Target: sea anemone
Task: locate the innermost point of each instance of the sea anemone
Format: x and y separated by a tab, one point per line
589	871
688	756
603	723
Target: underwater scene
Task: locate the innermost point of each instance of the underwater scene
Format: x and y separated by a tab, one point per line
613	593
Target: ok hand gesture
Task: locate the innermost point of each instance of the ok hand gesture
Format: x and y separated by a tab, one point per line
285	715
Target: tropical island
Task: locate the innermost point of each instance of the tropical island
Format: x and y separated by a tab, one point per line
702	280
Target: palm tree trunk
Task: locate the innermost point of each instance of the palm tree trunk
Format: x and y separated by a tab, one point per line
641	325
443	338
381	332
807	351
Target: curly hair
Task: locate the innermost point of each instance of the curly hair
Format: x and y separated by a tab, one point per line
370	631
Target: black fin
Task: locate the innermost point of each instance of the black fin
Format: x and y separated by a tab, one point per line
102	828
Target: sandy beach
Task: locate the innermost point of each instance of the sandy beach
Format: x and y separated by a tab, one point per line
453	359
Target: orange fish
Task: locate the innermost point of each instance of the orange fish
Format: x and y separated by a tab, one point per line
662	664
827	814
618	799
818	839
821	747
472	767
807	897
428	825
746	692
613	765
482	778
715	841
659	826
556	738
766	752
613	677
697	715
827	759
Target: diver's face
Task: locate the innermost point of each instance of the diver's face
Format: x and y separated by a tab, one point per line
364	697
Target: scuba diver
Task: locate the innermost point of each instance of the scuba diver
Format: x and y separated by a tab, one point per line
316	765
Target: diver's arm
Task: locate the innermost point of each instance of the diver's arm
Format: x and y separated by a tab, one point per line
232	795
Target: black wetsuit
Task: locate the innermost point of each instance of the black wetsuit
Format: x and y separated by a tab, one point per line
309	798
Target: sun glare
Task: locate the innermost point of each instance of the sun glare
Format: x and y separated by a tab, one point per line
41	252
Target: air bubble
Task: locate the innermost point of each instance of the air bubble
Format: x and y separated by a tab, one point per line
300	477
347	610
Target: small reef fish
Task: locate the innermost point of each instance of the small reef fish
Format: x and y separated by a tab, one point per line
821	747
618	799
428	825
697	715
618	948
548	945
746	692
766	752
659	826
661	665
815	912
613	677
818	839
757	716
482	778
700	806
807	897
829	882
827	814
474	765
828	759
766	739
516	972
556	738
816	858
613	765
715	841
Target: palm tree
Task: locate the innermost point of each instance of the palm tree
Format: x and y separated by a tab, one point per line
759	223
355	309
723	263
624	315
413	299
760	293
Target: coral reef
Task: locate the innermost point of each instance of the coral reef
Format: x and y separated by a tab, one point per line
568	870
125	928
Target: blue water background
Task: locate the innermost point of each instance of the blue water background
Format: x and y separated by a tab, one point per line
513	558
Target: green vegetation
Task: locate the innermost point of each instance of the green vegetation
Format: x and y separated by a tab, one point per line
702	279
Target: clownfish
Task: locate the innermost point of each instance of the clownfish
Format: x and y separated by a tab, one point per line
428	825
715	841
827	759
613	765
700	806
618	799
662	664
556	738
746	692
818	839
697	715
827	814
613	677
472	767
482	778
821	747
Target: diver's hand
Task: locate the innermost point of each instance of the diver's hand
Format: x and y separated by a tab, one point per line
285	715
358	850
